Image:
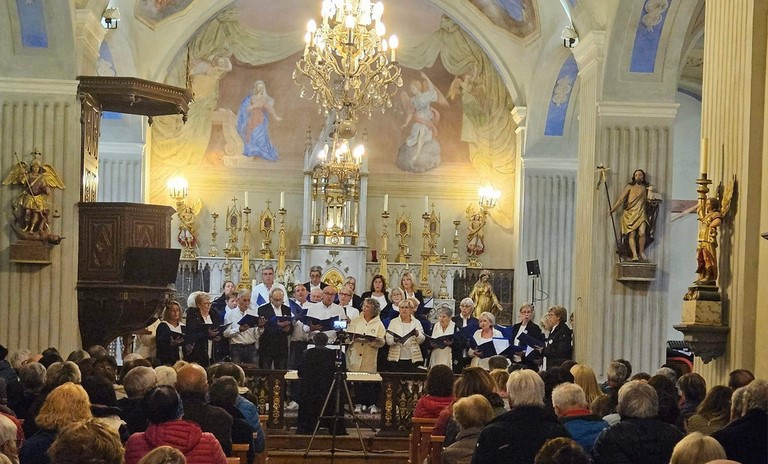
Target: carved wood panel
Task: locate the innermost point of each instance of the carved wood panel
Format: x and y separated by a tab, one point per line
90	119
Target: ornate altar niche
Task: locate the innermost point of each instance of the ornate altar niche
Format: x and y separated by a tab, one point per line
115	297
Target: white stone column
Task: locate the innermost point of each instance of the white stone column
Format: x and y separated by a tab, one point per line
38	303
546	234
733	119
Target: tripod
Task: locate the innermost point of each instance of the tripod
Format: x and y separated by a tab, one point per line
338	384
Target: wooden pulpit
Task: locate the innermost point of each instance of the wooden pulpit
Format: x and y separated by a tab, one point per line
126	268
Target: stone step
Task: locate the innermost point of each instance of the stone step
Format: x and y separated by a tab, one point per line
339	457
322	442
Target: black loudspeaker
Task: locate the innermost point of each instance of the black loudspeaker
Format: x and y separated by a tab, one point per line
533	268
151	266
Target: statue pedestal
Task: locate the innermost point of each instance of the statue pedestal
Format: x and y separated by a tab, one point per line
636	271
30	252
703	312
702	322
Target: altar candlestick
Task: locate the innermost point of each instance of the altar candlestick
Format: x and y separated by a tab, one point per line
282	200
245	199
704	155
426	203
386	202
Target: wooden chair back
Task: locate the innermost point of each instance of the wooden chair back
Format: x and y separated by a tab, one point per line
234	461
413	440
262	458
425	432
240	451
436	448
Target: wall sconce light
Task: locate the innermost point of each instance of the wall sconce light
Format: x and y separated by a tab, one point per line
488	197
111	17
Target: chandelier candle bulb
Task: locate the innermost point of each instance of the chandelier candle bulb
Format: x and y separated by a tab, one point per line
704	155
393	43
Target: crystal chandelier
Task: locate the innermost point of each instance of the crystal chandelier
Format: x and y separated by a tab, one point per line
336	193
345	67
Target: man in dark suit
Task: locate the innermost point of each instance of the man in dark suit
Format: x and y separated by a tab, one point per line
462	320
316	373
192	385
273	338
314	279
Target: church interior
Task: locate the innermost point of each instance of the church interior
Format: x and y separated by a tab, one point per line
509	132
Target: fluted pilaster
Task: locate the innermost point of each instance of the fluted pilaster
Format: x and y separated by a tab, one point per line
120	172
38	304
733	110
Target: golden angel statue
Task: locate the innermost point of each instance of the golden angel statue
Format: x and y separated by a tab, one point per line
32	206
187	236
711	213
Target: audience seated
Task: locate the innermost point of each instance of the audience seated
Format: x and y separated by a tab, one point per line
474	380
438	386
744	439
137	382
165	375
104	405
584	377
692	389
56	374
192	385
516	436
472	414
740	378
89	441
713	413
570	405
246	401
223	394
166	427
669	409
31	379
500	377
696	448
9	439
640	436
164	455
561	451
66	404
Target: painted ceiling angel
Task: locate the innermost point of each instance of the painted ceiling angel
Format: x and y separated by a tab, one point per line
32	206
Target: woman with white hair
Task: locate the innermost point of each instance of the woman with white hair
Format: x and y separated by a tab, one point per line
441	352
485	334
460	346
516	436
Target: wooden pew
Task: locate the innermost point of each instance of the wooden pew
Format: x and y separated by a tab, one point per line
262	458
233	461
436	448
416	424
240	451
425	432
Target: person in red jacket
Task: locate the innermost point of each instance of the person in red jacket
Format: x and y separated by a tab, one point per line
439	395
164	411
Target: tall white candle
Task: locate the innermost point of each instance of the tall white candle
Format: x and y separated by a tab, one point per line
245	199
704	155
386	202
426	203
282	200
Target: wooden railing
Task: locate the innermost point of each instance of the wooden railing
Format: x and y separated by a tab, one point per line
397	398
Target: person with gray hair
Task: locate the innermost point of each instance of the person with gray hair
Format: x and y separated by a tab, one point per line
465	318
261	292
137	382
315	273
275	324
616	375
19	358
31	381
744	438
8	437
570	404
192	385
640	436
366	333
442	353
517	435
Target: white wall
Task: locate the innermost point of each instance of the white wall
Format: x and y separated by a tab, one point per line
685	167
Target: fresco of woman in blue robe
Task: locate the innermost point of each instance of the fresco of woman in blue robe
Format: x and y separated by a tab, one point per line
253	118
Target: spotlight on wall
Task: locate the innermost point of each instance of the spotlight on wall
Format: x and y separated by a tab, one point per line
111	17
570	37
